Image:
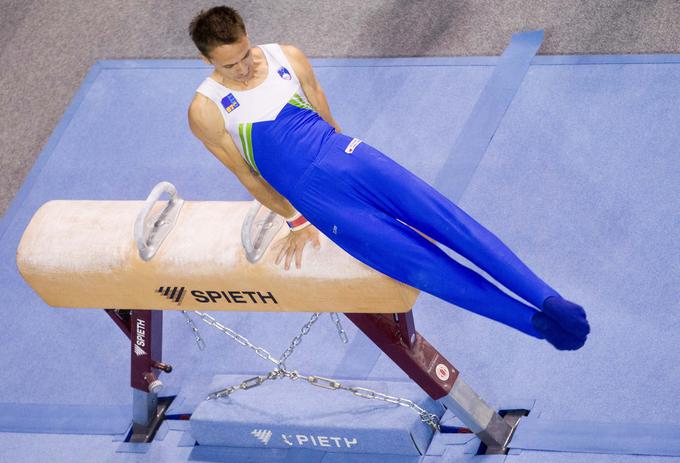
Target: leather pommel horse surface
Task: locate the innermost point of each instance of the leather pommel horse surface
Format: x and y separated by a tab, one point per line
83	254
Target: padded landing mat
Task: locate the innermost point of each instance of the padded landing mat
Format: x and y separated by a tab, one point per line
289	414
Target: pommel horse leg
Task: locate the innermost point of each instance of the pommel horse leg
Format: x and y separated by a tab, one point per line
144	328
395	334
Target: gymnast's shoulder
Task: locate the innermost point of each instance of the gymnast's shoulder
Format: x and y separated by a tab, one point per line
205	119
295	57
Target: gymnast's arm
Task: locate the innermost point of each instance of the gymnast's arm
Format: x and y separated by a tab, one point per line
311	87
207	125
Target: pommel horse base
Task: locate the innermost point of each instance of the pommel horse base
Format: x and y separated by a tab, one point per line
181	255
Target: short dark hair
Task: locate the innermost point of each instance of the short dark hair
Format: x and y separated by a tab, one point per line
220	25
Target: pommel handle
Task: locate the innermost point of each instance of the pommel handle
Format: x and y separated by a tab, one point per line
151	230
258	230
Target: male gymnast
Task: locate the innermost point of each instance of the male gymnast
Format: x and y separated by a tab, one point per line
263	114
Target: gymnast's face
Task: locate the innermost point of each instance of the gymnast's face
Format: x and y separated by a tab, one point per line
233	62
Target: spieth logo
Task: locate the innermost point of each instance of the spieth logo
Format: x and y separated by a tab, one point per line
262	435
177	293
303	440
141	337
139	351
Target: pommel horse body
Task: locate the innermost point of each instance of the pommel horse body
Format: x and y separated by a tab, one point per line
213	256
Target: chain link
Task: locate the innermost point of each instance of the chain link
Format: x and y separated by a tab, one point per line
298	339
197	335
426	417
260	351
319	381
343	335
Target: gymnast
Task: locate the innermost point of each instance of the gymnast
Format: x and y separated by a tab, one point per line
263	114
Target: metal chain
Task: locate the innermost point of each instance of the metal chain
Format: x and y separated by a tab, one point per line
343	336
297	340
247	384
197	335
260	351
327	383
319	381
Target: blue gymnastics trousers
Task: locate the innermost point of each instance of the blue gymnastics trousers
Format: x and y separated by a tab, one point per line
367	203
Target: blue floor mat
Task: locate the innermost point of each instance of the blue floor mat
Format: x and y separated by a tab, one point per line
580	179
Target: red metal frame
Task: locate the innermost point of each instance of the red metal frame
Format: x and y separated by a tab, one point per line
395	334
144	328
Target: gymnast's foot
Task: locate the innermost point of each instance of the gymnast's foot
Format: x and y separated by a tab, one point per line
563	323
571	317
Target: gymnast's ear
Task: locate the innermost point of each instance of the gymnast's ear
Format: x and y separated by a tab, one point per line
205	59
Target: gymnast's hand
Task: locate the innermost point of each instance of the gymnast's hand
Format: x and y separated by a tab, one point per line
294	244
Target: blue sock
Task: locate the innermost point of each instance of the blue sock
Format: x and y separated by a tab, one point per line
569	316
554	333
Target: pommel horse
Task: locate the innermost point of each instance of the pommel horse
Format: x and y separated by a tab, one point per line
183	255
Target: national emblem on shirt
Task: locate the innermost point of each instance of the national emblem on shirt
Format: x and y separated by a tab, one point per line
229	103
283	72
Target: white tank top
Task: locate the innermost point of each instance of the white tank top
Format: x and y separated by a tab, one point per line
241	108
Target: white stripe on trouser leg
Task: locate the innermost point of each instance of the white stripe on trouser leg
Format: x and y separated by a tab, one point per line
353	144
